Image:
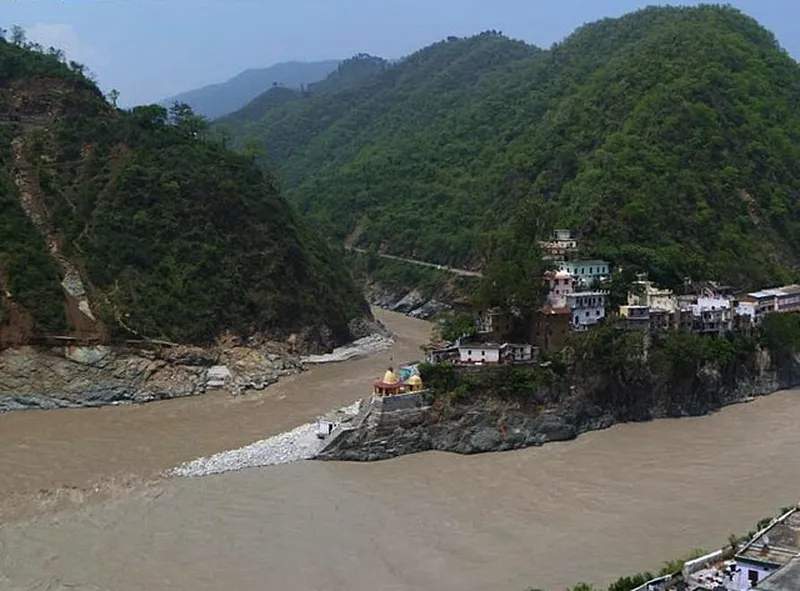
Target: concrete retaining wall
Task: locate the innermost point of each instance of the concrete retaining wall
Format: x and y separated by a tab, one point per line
397	411
410	401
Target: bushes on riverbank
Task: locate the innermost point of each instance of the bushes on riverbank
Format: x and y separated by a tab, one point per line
506	382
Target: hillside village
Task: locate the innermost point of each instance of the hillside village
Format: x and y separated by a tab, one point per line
577	299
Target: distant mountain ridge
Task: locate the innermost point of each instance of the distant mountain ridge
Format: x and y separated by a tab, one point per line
218	100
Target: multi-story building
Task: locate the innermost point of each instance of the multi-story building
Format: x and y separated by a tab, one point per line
647	293
634	317
560	284
772	548
496	323
550	328
587	273
560	245
587	308
712	315
778	299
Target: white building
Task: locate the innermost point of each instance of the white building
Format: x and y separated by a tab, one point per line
479	353
768	551
779	299
652	296
493	353
587	308
586	273
712	314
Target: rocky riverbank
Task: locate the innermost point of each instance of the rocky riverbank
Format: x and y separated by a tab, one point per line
90	376
74	377
410	302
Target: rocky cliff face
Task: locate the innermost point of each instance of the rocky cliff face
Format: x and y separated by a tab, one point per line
488	424
74	377
404	300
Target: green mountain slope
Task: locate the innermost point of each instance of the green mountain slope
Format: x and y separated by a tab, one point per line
132	224
218	100
668	139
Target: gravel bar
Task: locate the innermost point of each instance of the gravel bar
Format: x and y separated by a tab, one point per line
300	443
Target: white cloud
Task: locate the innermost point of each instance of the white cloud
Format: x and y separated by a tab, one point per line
64	37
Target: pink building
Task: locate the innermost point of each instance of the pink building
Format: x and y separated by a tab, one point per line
561	285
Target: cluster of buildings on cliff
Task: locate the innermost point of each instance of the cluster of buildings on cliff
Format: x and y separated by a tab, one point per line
577	301
769	561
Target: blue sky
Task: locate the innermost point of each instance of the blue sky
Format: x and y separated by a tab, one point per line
152	49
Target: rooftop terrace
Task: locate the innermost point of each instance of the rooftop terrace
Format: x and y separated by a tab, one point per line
784	579
777	545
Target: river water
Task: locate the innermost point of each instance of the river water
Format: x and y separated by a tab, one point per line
79	516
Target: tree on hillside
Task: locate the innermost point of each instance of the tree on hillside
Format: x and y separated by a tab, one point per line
18	36
253	149
186	120
454	325
513	278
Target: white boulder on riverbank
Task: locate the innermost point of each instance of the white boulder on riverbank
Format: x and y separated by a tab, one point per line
360	348
300	443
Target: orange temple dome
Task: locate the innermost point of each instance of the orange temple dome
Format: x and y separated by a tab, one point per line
390	377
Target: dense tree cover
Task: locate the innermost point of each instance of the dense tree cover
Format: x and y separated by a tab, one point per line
178	237
454	324
669	139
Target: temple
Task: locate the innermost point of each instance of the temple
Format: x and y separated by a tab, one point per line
392	385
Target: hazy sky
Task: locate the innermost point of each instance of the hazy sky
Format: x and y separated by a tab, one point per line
151	49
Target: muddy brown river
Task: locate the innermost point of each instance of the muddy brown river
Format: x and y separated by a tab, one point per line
82	510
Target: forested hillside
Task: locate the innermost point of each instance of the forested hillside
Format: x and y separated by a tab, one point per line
135	224
668	139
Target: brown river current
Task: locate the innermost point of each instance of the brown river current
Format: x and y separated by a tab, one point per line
82	509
